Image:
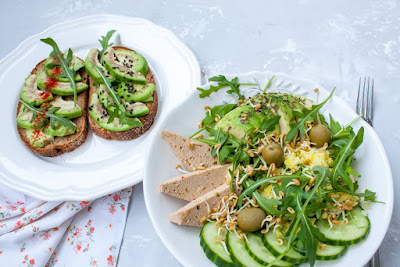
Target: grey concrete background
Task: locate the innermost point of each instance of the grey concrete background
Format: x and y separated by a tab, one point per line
331	42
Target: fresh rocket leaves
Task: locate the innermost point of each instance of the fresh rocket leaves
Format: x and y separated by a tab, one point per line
268	205
222	82
309	115
119	110
67	72
48	112
104	43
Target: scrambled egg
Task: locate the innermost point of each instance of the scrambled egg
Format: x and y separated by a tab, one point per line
310	157
267	192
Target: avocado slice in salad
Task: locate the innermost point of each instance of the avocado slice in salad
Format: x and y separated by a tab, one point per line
44	82
136	109
32	95
131	71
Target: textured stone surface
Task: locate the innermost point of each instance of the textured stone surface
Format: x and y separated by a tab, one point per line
333	43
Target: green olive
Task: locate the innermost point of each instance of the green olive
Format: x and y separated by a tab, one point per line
250	219
320	134
273	153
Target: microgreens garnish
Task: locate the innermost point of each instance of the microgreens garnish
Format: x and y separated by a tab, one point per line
104	44
67	72
48	112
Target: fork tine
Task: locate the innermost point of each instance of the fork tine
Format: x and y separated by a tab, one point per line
370	102
358	97
364	104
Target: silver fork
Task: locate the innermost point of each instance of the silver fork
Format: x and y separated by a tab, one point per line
364	106
365	98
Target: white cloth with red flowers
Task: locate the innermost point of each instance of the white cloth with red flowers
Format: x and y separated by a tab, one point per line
74	233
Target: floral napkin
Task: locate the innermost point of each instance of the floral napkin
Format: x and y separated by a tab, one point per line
74	233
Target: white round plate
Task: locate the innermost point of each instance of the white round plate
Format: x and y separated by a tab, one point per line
183	241
99	166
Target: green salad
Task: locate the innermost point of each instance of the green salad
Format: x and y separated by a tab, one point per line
294	191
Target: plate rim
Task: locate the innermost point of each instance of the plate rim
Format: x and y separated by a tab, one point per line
146	190
72	194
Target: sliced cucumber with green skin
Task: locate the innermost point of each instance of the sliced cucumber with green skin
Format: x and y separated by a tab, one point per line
238	252
135	92
270	242
330	252
255	247
214	250
343	235
59	88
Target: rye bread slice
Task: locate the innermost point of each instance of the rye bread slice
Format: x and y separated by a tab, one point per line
67	143
133	133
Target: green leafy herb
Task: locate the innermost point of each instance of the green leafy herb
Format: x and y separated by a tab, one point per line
119	111
104	43
268	84
308	237
223	82
308	115
49	112
269	124
249	190
268	205
67	72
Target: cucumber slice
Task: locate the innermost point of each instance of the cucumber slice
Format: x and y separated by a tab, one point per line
239	254
260	253
343	235
330	252
214	250
270	242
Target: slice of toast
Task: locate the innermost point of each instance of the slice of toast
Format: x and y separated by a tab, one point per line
193	154
133	133
192	185
67	143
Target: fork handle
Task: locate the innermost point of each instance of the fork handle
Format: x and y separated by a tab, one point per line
375	262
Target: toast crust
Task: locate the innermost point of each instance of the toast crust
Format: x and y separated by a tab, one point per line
67	143
133	133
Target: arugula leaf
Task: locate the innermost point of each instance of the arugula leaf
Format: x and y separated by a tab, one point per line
249	190
268	204
67	72
320	174
223	82
338	170
104	44
119	111
268	84
49	113
269	124
308	115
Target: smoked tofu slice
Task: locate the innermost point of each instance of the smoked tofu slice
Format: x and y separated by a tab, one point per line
192	185
194	155
194	211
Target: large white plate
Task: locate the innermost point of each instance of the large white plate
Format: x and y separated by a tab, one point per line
183	241
99	166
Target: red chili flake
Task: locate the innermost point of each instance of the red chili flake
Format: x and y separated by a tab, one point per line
56	71
51	83
36	134
44	95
